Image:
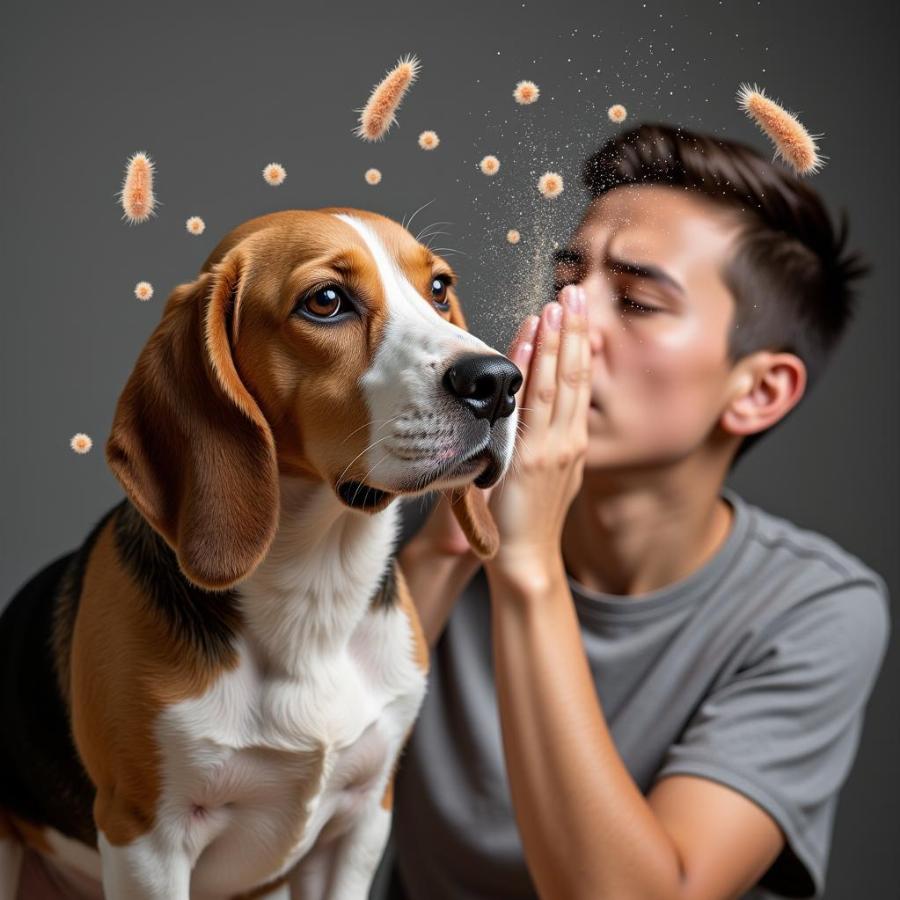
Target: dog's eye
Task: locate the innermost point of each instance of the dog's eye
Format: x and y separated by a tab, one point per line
325	302
439	285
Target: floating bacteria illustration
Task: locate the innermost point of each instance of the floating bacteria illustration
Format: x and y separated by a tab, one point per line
526	92
428	140
274	174
377	115
143	290
550	184
81	443
490	165
373	176
617	113
136	195
195	225
793	143
513	236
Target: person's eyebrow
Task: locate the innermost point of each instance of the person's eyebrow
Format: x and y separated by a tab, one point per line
643	270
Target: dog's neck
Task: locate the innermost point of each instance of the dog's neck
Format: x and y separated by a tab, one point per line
308	595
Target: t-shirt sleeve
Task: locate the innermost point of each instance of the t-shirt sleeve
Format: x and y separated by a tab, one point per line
784	728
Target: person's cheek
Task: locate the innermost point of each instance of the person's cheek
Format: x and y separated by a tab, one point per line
672	402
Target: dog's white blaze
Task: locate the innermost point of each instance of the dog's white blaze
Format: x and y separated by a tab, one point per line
416	349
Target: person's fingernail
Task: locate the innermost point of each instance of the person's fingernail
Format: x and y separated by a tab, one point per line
554	315
576	301
533	322
525	350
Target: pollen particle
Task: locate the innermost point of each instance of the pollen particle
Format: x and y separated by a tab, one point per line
617	113
373	176
136	195
274	174
143	290
526	92
195	225
378	114
793	143
550	184
513	236
428	140
490	165
81	443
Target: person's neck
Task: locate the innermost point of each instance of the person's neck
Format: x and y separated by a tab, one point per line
629	534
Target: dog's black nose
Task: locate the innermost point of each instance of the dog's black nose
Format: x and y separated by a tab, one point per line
486	383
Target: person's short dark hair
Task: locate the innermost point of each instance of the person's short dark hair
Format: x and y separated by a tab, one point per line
791	275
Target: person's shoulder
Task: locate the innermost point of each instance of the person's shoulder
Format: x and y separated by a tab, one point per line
818	559
817	581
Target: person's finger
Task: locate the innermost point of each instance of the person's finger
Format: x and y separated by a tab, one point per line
540	394
525	333
521	351
521	356
583	403
569	371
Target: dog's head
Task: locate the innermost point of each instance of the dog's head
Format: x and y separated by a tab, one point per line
326	344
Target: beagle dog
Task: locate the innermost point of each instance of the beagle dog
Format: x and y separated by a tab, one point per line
208	697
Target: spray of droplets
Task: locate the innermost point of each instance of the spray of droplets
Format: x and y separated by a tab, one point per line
143	290
550	184
195	225
373	176
793	143
378	114
428	140
518	227
81	443
526	92
137	197
490	165
274	174
617	113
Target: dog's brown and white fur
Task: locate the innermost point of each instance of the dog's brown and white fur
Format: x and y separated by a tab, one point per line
237	658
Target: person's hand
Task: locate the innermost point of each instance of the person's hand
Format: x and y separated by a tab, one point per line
530	503
441	531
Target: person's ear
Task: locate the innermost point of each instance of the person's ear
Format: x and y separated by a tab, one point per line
764	388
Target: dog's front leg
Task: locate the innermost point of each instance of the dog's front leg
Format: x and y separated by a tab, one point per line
149	868
358	853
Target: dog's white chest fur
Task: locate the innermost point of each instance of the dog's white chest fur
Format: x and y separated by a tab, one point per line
261	768
286	754
293	747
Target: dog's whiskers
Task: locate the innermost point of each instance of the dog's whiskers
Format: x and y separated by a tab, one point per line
428	227
366	424
407	224
358	455
446	250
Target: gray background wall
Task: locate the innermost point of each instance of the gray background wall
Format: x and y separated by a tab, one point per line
215	91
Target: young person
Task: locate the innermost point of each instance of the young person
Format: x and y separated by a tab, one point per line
656	689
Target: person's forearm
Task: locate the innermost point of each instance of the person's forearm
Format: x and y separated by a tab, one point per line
586	829
435	580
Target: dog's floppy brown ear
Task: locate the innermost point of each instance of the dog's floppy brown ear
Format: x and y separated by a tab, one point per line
467	503
189	443
471	511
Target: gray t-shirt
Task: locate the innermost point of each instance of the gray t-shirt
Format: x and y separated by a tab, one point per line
752	672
